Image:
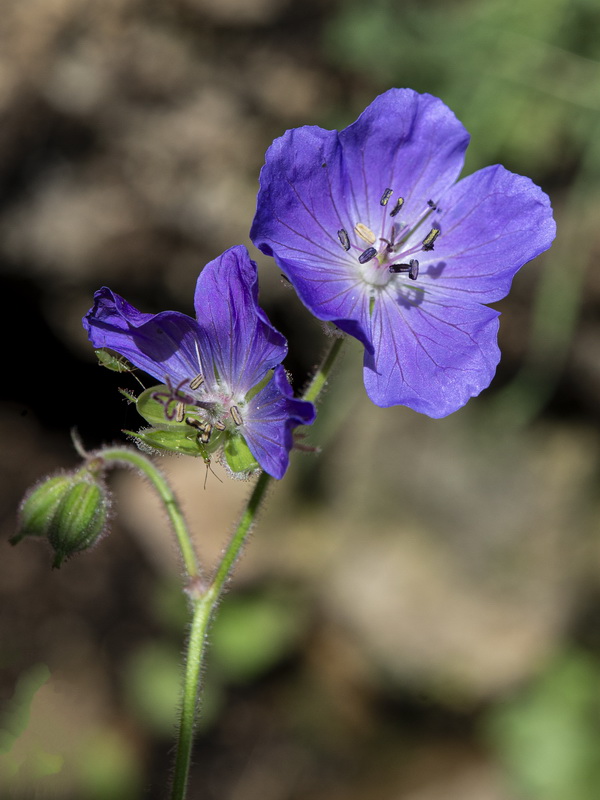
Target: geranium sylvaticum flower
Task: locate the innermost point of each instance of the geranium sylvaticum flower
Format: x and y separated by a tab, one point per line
223	388
375	234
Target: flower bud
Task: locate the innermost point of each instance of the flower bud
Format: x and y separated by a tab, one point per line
70	510
39	506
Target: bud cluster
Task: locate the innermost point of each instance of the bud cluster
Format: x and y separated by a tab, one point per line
70	510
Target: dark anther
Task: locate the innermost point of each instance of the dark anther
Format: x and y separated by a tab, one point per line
204	429
204	436
235	415
324	164
197	382
344	238
411	269
385	197
367	255
430	239
396	209
431	204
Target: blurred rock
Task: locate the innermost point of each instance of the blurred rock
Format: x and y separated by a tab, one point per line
461	565
238	12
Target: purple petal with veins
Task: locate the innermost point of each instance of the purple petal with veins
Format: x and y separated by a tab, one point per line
377	236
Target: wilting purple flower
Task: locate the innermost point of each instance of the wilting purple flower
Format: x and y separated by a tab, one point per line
216	366
376	236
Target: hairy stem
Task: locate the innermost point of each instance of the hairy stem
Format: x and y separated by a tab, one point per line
205	598
203	608
124	456
323	372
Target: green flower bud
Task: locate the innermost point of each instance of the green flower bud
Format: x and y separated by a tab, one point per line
71	510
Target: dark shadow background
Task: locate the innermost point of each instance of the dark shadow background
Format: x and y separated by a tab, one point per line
416	617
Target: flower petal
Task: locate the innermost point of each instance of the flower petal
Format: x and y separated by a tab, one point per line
408	142
163	345
236	338
431	354
316	182
495	223
269	419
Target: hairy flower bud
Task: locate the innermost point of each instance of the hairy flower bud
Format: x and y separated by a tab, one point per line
70	510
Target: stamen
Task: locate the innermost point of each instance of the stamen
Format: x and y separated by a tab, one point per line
220	426
431	205
235	415
205	429
366	234
344	238
428	241
197	382
412	269
204	436
179	412
396	209
385	197
195	423
367	255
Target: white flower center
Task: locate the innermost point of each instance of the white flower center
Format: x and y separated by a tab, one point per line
392	255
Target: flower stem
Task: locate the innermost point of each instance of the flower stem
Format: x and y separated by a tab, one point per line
124	456
204	605
205	599
323	372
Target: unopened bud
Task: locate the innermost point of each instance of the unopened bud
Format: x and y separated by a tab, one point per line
70	510
40	505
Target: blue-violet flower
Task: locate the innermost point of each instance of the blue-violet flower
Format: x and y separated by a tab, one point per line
216	370
377	237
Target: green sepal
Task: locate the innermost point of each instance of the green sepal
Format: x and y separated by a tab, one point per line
178	439
129	396
238	456
113	361
79	520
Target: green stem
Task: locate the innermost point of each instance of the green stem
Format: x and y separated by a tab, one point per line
205	599
204	606
323	372
132	458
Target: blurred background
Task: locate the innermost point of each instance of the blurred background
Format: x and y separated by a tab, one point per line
417	614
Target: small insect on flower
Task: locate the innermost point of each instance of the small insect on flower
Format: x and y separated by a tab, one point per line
390	195
116	363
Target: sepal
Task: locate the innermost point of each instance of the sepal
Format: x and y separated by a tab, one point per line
238	457
174	440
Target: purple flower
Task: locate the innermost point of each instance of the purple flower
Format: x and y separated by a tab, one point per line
376	236
216	368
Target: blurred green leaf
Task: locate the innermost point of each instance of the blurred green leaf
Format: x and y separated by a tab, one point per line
108	768
252	634
15	719
548	737
153	685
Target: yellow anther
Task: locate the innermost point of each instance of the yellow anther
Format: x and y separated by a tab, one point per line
366	234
